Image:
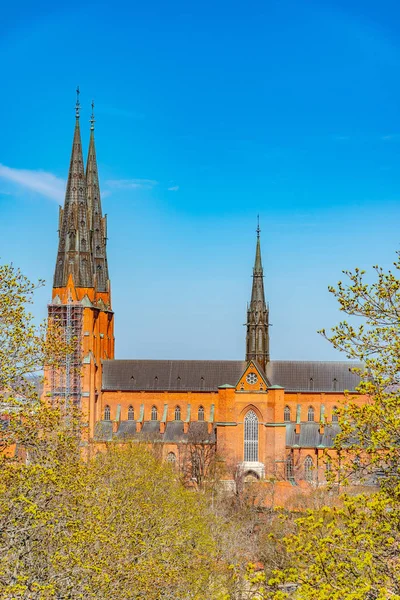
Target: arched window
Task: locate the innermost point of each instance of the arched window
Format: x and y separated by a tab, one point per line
251	477
311	413
308	468
177	413
200	414
107	413
335	416
289	468
131	413
251	437
171	458
154	413
286	414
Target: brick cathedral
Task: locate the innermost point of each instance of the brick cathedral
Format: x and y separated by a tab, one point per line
267	418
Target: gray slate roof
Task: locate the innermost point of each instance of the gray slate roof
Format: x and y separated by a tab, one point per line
317	376
208	375
197	433
310	437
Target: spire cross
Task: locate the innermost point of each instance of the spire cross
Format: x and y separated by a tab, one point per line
77	105
258	227
92	119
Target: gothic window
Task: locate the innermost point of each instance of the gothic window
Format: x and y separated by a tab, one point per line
310	414
311	383
154	413
107	413
286	414
200	414
251	437
171	458
131	413
177	413
335	416
289	468
308	468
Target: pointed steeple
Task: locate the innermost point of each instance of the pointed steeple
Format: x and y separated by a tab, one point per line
98	223
74	256
257	338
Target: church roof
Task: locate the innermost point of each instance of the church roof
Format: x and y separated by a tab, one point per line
174	432
174	375
310	435
313	376
208	375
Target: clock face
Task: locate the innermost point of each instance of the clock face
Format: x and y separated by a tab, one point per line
251	378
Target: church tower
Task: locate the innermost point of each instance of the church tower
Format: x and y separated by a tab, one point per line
81	295
257	338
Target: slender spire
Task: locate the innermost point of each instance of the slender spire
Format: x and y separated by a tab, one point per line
257	263
98	223
92	119
77	104
74	256
257	339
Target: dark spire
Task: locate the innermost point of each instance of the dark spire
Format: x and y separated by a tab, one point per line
98	223
74	256
257	339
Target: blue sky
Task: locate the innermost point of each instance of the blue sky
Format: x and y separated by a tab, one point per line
207	114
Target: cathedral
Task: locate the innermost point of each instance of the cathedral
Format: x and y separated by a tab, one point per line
267	419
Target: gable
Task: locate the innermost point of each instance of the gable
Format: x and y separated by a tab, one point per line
252	379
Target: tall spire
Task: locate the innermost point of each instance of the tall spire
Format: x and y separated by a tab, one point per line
74	256
98	223
257	338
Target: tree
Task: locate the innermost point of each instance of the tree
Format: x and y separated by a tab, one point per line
199	462
352	550
118	525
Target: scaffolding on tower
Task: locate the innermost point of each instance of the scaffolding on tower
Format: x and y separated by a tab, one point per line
65	379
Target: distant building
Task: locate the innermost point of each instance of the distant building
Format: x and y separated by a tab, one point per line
267	418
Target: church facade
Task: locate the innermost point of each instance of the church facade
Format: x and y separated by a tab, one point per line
266	418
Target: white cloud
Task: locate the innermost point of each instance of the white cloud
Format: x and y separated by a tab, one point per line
130	184
41	182
173	188
341	138
389	137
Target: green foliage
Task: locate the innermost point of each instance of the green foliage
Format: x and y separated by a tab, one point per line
351	551
72	526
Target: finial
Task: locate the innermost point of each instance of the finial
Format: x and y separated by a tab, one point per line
258	227
92	119
77	105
